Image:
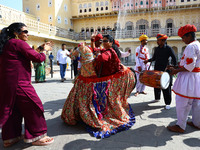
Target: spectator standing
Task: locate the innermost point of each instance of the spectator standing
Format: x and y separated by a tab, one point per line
62	55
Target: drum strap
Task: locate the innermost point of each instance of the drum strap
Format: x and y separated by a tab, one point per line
149	65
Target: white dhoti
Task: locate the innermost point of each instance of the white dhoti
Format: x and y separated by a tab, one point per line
183	108
139	86
142	54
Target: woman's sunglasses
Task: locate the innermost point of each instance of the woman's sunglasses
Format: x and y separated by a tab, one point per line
105	41
25	31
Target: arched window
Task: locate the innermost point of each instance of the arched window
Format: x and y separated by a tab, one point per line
142	25
97	4
101	8
129	25
89	5
87	29
155	27
141	3
81	11
85	10
106	7
85	5
91	29
97	9
80	6
106	3
99	29
102	4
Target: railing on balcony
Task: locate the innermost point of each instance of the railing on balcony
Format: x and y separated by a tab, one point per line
123	34
8	16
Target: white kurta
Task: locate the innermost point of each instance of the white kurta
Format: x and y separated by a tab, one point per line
62	56
142	53
187	84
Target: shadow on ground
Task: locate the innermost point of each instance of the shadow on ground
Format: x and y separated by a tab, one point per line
146	136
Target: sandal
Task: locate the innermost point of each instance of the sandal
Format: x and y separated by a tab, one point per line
10	142
136	94
190	123
43	141
143	93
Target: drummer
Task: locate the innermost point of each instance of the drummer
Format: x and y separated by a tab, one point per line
142	53
187	84
161	57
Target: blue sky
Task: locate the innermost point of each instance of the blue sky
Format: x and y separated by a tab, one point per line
15	4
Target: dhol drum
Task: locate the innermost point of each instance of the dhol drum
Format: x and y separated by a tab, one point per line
154	78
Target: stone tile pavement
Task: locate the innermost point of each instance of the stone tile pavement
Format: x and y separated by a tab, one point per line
148	133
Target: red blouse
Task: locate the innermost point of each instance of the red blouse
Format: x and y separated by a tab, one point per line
107	63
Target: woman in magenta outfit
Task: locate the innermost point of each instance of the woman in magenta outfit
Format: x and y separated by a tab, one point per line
18	99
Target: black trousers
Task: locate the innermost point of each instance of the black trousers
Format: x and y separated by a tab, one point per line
167	93
75	64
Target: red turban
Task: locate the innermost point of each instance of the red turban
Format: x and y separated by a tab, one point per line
161	36
98	37
186	29
80	44
117	43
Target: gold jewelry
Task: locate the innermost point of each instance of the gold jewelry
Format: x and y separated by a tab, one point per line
16	36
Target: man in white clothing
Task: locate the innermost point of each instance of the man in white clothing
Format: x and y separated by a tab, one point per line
187	84
62	55
142	54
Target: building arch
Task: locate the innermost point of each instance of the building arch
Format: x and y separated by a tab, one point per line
175	51
97	4
129	25
99	29
82	29
87	29
91	29
126	49
155	27
89	5
117	26
85	5
169	26
101	3
142	26
183	48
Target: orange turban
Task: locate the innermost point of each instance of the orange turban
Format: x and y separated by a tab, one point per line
117	43
98	37
161	36
186	29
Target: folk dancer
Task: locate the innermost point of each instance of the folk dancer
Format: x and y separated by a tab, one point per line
18	98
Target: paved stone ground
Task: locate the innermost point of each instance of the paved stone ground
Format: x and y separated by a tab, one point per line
149	132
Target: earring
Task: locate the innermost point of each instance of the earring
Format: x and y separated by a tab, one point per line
16	36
